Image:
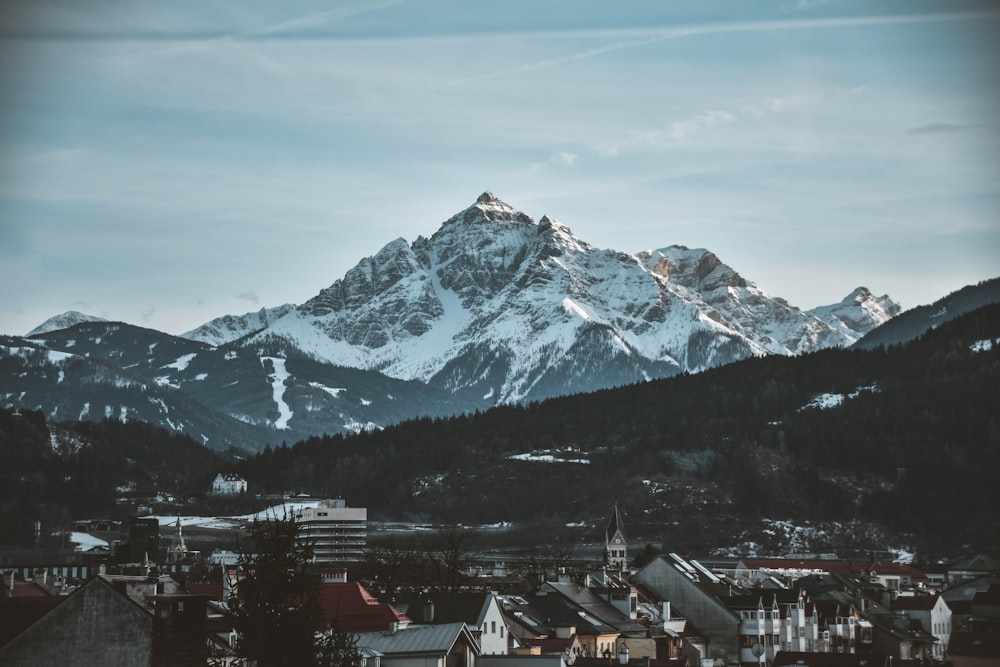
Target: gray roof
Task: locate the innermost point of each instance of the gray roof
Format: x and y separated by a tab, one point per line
422	639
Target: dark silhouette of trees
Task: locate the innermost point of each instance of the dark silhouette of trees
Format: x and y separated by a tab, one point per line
276	603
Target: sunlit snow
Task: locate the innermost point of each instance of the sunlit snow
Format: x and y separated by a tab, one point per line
86	541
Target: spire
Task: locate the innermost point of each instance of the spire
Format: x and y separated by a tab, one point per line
178	549
615	546
615	525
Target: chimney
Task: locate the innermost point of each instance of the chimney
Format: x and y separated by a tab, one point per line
428	611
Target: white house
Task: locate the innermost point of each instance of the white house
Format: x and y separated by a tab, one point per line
228	484
934	616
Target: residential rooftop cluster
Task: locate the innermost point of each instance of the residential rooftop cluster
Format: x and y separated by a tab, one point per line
672	611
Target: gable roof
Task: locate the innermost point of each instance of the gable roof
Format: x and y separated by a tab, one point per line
595	607
17	614
469	608
351	608
417	640
915	602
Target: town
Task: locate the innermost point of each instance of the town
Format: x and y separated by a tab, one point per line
434	601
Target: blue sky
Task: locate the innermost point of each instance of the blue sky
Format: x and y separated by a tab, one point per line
167	163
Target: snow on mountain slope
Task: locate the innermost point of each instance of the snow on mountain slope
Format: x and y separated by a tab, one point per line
500	308
64	321
228	328
858	313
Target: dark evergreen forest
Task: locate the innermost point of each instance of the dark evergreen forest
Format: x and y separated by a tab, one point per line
912	451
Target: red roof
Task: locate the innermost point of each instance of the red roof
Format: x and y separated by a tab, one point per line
353	609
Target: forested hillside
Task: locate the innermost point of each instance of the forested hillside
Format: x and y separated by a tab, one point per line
904	440
867	447
58	473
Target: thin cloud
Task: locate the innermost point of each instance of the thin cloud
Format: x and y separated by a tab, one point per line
655	35
941	128
303	26
250	296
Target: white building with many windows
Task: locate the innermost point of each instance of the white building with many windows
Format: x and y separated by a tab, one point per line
228	484
337	533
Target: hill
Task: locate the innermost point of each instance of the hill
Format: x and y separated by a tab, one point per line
900	443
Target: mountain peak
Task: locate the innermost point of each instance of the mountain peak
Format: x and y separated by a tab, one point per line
489	208
64	321
488	198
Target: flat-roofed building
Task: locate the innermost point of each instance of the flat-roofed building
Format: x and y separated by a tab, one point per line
336	532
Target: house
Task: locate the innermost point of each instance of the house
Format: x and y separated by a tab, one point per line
447	645
694	592
108	622
959	598
480	611
228	484
775	621
895	635
933	614
349	607
972	568
891	575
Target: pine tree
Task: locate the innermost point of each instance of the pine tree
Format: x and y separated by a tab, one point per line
276	604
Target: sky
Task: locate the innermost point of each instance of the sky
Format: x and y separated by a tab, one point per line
167	163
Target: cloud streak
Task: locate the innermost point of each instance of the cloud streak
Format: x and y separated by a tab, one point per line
941	128
655	35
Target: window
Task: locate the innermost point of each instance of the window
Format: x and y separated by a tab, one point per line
493	627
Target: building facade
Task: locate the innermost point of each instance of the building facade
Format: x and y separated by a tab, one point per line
228	485
337	533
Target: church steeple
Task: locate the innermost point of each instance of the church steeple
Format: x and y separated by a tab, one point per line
615	544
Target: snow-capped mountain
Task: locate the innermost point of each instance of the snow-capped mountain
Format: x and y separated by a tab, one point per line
498	307
492	308
228	328
64	321
220	396
860	311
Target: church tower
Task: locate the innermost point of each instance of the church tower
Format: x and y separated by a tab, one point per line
615	545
